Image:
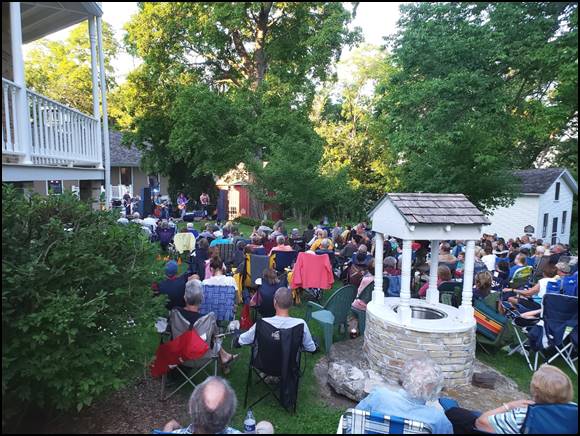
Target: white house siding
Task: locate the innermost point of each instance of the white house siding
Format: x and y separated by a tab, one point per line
509	222
554	208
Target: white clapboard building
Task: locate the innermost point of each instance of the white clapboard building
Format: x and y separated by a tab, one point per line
543	209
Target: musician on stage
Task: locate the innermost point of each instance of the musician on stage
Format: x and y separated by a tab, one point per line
204	200
182	203
127	204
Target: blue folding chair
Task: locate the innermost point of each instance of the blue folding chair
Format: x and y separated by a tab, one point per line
361	422
567	285
551	419
559	319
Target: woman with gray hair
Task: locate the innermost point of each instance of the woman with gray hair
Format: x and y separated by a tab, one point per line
421	381
193	300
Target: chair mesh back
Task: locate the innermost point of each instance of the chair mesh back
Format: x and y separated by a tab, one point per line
551	419
227	252
559	312
220	300
362	422
284	259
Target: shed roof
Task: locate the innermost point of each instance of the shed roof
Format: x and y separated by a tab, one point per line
121	155
420	208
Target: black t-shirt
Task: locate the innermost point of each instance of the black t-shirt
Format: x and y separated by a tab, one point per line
192	317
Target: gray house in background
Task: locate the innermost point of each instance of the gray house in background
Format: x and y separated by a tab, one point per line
126	172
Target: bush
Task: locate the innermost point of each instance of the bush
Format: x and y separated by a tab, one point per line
247	221
77	310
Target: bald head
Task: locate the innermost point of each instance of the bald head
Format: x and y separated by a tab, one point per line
212	406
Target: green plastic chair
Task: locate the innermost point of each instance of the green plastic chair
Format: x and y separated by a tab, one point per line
521	277
366	295
334	312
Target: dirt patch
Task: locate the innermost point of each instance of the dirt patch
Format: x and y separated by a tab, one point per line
135	409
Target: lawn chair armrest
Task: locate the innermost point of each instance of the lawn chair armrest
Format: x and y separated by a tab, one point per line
312	305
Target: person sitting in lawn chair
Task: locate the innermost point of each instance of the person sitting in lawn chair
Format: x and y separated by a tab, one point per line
283	301
211	407
421	381
531	299
552	392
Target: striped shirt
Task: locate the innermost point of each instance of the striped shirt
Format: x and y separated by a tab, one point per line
509	422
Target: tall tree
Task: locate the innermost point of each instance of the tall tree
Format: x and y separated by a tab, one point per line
480	88
345	119
243	64
61	70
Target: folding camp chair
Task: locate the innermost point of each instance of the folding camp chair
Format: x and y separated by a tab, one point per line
206	328
254	267
566	285
276	353
492	327
551	419
226	253
558	320
450	293
361	422
221	300
282	260
521	277
333	313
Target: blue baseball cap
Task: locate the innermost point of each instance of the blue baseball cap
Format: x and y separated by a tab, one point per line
171	268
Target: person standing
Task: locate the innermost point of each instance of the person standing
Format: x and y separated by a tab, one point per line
182	203
204	200
127	204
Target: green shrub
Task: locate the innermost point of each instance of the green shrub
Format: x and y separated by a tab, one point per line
77	310
247	221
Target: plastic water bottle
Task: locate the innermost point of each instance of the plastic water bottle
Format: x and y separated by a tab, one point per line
250	423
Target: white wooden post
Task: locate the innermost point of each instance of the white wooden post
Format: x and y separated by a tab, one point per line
378	293
467	295
405	299
433	291
95	83
107	151
22	129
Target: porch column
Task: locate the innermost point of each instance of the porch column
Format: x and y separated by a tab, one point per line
22	116
95	83
405	299
378	293
107	151
433	292
467	295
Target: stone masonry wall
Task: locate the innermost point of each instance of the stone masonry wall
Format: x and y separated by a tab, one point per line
387	347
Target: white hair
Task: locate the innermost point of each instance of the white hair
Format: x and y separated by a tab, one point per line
190	225
194	292
540	249
280	239
422	379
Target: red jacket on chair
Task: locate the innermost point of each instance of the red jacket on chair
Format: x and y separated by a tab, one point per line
312	271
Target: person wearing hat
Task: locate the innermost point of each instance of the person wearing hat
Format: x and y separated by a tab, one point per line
173	286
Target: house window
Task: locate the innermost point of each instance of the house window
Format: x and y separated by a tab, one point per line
126	176
54	186
564	219
557	191
545	227
555	231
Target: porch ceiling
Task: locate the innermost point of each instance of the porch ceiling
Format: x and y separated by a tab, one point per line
43	18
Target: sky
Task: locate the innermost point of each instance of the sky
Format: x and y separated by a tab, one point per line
376	20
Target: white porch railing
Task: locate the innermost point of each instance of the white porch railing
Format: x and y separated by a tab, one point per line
58	135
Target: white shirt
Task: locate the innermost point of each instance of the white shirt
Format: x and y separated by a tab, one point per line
489	260
151	222
221	281
544	286
283	323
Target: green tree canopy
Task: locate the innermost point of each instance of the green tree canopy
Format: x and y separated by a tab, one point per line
220	79
479	89
61	70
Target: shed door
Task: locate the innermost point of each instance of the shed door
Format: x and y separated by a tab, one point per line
555	231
